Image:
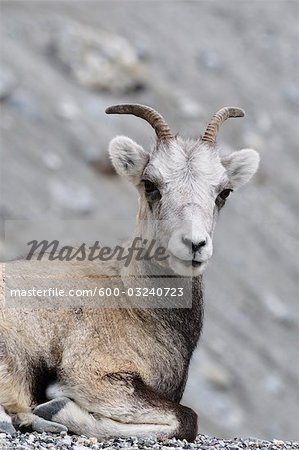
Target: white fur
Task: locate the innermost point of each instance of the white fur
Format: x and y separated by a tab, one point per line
128	158
241	166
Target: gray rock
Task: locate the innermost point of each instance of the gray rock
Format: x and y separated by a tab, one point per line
98	60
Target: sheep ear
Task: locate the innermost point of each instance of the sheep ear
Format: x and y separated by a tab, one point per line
128	158
241	166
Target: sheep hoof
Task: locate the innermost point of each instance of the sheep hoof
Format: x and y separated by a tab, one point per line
7	428
41	425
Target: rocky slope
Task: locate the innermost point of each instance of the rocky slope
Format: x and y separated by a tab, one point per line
187	59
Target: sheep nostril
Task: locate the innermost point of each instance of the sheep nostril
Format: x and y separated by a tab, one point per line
196	247
193	246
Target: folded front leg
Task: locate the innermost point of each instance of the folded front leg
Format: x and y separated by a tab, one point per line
121	406
6	425
36	423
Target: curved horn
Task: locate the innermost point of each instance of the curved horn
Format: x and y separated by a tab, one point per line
145	112
217	120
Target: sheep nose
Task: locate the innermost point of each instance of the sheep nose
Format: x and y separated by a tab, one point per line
195	246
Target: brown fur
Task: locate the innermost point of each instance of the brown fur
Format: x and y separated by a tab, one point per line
111	362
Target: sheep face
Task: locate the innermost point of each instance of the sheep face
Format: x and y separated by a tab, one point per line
183	184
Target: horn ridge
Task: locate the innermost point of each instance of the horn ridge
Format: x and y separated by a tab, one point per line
155	119
218	119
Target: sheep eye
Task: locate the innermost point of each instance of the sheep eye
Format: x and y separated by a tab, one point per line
149	186
225	193
220	200
151	190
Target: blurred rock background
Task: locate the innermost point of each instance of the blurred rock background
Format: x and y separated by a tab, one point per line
62	63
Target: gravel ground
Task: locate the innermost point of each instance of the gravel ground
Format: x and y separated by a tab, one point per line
64	441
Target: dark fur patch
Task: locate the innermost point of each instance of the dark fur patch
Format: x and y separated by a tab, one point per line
187	418
186	323
41	376
188	424
48	410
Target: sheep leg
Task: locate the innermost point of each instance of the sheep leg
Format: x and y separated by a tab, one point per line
6	425
80	421
130	409
16	400
64	411
36	423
